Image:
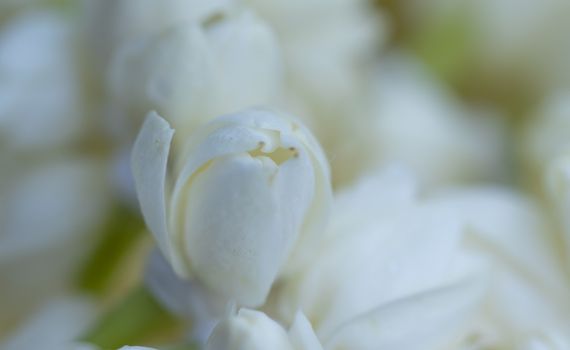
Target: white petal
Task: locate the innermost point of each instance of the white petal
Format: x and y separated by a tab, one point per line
107	30
171	72
149	164
390	251
249	62
236	234
513	298
294	134
421	321
197	70
385	193
302	335
296	186
511	228
228	140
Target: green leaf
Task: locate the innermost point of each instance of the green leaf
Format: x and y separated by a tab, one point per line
137	319
122	232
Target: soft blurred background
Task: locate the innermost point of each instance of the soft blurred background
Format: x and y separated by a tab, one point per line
460	91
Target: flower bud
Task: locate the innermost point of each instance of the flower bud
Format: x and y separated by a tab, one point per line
253	330
194	71
247	196
106	28
249	330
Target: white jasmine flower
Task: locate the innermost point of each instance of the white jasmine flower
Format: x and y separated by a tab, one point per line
420	124
192	72
49	212
40	95
247	196
253	330
390	275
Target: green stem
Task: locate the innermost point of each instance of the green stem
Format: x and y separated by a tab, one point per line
122	232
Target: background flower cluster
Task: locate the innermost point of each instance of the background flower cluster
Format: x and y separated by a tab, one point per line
285	174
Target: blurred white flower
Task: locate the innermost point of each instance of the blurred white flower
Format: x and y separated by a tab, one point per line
529	286
40	95
55	326
110	24
253	330
325	45
192	72
249	194
49	212
239	204
390	274
528	46
531	39
419	123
